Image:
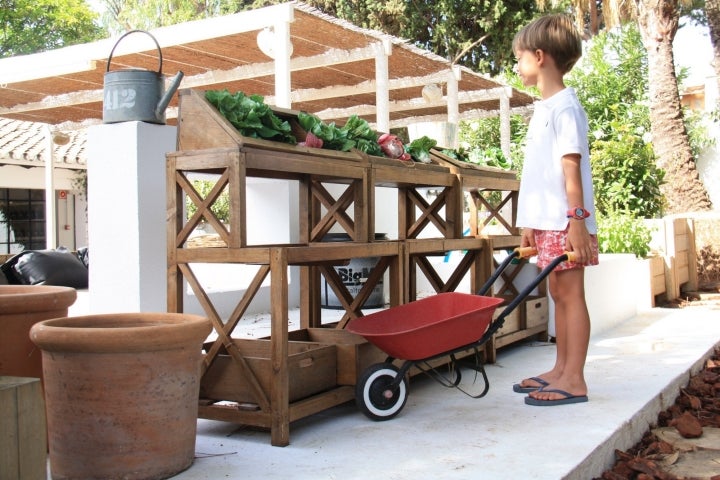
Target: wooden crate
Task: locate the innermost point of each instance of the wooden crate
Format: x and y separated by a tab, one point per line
531	313
512	320
311	366
536	311
354	353
23	437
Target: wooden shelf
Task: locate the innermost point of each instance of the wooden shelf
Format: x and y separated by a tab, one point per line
272	382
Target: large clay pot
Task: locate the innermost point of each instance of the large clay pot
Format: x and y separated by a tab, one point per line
122	393
22	306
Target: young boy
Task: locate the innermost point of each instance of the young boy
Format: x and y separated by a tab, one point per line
555	205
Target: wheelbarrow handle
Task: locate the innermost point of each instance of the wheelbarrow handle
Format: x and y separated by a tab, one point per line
526	252
519	252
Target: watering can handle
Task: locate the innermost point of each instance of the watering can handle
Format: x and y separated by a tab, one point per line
128	33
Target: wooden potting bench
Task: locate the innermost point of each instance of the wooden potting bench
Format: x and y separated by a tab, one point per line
274	381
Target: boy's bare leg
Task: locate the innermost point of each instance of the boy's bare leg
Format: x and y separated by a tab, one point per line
572	330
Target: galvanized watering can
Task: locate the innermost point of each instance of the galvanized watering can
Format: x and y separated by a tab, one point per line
136	94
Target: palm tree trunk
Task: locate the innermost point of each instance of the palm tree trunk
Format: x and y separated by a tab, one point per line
683	190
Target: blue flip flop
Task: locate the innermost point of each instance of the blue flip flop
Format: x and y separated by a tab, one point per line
567	398
518	388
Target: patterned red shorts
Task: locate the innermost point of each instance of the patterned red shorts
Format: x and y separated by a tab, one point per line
551	244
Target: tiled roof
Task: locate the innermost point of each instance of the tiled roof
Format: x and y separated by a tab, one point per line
25	143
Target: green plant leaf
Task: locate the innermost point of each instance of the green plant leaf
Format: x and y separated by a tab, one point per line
251	116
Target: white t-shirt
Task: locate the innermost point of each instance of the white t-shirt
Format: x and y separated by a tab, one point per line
558	127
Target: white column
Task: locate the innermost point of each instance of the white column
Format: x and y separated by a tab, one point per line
382	91
50	209
505	121
283	49
127	216
453	107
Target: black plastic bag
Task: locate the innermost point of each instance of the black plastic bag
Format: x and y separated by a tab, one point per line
46	267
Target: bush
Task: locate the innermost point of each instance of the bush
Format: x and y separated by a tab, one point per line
620	232
625	176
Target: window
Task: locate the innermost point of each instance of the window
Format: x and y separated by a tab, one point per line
22	220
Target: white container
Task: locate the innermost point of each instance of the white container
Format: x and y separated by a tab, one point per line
353	275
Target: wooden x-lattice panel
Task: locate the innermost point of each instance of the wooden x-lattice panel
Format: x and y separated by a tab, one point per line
326	211
411	224
352	305
438	284
225	166
430	212
419	252
482	201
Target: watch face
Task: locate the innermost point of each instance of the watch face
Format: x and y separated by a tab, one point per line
578	212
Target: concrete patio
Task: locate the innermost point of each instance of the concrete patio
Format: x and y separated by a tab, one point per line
634	371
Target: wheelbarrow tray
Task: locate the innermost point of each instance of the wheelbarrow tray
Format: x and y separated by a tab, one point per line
428	327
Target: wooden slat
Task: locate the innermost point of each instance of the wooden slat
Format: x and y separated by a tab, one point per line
280	389
23	435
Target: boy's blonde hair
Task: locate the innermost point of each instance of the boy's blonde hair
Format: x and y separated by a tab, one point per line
556	35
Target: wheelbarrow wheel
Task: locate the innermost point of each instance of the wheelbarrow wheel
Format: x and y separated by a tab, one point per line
375	395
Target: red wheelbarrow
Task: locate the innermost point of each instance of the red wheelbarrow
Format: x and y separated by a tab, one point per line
419	332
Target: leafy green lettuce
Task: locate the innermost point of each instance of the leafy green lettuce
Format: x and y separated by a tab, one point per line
356	133
419	149
251	116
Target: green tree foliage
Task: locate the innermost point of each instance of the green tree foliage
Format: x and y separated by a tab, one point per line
474	34
611	82
123	15
31	26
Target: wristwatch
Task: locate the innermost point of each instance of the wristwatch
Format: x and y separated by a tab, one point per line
578	213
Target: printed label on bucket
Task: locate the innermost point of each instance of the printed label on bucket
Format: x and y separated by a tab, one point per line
354	276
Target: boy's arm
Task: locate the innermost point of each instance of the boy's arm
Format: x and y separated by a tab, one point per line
578	239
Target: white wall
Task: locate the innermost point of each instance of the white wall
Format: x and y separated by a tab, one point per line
615	290
708	166
445	133
16	176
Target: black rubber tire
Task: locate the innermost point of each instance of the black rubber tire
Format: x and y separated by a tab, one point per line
373	398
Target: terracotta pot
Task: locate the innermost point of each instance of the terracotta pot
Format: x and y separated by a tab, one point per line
21	306
122	393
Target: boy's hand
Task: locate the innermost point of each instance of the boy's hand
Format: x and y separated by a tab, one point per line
528	238
578	241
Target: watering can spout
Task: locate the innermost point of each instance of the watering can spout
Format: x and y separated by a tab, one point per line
163	103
